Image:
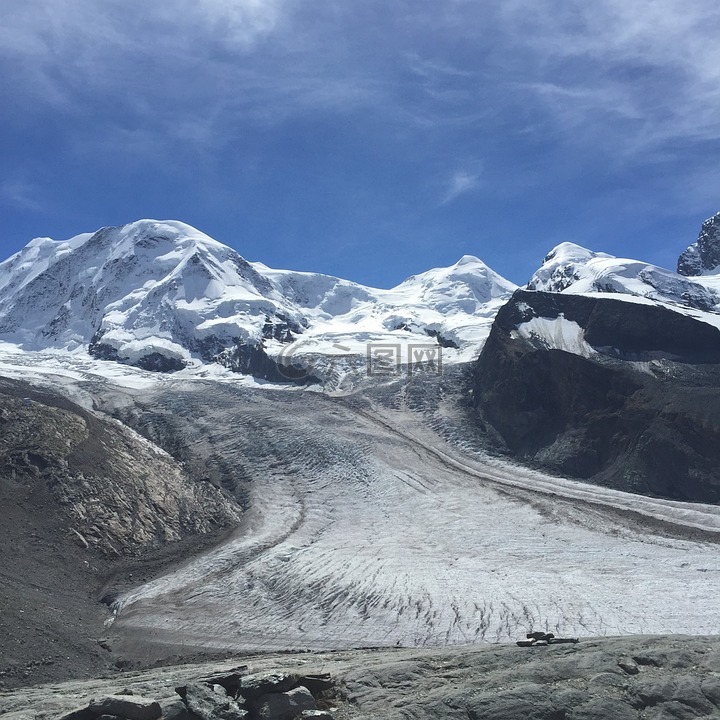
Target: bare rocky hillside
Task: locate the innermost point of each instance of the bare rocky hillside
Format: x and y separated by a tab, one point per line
83	498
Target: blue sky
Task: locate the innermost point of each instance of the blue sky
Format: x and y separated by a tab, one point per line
369	140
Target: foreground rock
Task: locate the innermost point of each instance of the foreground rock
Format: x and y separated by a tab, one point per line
126	706
224	695
638	678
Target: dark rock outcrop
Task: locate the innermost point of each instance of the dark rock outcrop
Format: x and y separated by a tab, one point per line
152	361
704	255
131	707
253	360
284	705
206	704
639	415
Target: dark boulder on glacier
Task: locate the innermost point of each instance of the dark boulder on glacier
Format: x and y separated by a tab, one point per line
703	256
619	393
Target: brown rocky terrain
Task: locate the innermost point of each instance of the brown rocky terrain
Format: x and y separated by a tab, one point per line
83	499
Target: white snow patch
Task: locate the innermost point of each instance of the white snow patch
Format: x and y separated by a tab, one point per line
556	334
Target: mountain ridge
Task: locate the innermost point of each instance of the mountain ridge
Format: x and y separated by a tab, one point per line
162	295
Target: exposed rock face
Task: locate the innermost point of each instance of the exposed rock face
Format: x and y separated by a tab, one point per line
703	256
116	491
630	402
253	360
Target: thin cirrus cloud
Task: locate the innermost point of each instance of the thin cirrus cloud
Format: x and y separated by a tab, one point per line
653	63
653	66
21	194
461	182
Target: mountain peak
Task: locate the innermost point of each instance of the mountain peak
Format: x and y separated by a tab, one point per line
469	260
703	256
562	267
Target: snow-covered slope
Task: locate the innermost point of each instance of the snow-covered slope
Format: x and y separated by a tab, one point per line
572	269
163	295
453	307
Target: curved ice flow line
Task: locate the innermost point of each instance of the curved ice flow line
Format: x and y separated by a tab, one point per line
697	516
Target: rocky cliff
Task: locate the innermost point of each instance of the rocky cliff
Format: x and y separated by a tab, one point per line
618	393
703	257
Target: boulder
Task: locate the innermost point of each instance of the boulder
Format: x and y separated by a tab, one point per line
173	708
629	666
82	713
253	686
284	706
316	684
230	680
132	707
209	705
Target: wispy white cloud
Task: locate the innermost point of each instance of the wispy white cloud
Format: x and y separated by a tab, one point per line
629	79
21	194
652	62
460	182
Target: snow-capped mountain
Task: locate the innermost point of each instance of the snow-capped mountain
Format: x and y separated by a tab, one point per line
573	269
453	307
162	295
148	293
